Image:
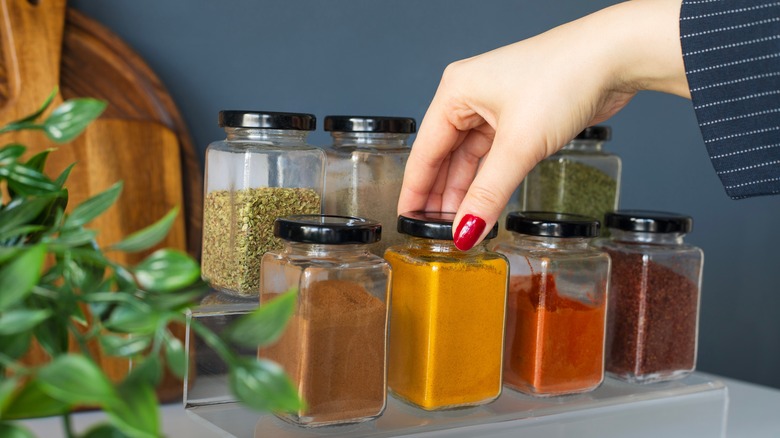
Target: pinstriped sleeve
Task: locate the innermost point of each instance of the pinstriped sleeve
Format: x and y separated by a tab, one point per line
731	50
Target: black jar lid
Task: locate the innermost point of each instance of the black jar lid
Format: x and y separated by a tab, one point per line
648	221
549	224
598	132
432	225
378	124
327	229
267	120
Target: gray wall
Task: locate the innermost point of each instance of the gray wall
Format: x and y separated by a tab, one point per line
384	57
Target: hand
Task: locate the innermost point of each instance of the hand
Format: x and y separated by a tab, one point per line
496	115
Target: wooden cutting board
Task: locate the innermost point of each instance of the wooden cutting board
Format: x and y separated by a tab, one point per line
140	138
96	63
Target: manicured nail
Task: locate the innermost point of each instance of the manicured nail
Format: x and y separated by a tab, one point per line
468	231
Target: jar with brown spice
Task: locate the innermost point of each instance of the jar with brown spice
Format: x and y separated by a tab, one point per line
653	315
365	168
335	345
556	307
262	170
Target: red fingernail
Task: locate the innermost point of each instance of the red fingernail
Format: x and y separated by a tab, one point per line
468	231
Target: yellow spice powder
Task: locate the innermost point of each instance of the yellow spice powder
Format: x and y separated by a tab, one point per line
446	329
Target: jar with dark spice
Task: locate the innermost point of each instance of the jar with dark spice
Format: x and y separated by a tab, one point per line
556	308
653	316
263	170
581	178
365	168
447	316
334	347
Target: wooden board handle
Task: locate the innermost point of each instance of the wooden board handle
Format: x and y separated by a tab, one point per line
31	42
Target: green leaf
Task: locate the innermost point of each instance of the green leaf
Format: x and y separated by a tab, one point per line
175	356
179	300
263	385
8	430
10	153
52	334
93	207
75	379
22	320
74	237
130	319
18	277
15	346
149	371
149	236
42	108
21	231
38	161
265	324
23	212
68	120
7	388
26	181
124	346
167	270
137	413
60	181
33	402
105	431
6	253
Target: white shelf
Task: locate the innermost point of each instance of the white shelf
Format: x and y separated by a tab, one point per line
694	406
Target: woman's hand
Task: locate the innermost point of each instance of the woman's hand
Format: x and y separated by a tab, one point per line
496	115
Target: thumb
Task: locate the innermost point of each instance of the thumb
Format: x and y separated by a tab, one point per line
510	158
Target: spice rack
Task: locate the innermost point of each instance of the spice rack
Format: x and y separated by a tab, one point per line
693	406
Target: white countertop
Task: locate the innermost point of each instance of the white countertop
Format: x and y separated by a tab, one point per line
753	411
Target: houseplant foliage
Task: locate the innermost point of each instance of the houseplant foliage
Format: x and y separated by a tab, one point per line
58	288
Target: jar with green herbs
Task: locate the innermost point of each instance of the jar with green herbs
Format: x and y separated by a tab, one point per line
365	168
581	178
262	170
334	347
447	316
654	293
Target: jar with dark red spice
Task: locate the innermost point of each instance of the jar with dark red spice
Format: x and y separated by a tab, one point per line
654	293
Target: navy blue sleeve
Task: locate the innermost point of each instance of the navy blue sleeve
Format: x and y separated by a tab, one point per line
731	51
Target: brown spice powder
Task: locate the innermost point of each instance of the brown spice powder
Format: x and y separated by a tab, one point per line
334	351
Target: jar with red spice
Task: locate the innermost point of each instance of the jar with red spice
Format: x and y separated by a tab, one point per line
653	314
556	307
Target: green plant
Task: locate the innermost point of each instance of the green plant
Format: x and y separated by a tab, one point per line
51	270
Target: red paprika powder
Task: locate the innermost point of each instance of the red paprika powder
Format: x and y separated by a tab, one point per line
554	344
556	308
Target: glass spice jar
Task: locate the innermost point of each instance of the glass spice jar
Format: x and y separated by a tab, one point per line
581	178
365	168
263	170
556	307
654	293
447	316
335	346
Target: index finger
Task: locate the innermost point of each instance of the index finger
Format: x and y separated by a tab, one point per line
436	139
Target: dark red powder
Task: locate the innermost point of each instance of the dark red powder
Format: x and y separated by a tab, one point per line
652	319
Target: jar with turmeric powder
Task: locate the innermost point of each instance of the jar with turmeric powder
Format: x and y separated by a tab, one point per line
447	316
335	346
556	308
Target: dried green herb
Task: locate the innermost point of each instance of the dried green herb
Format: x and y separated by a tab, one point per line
238	230
568	186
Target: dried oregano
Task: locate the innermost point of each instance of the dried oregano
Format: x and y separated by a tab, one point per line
238	230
